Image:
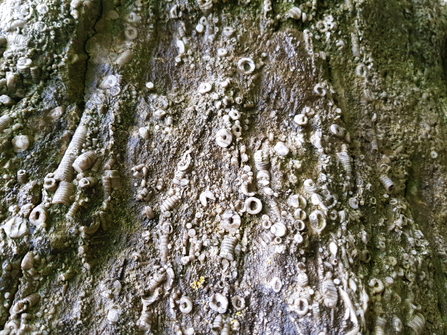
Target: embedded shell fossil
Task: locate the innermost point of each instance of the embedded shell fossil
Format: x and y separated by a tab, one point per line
223	138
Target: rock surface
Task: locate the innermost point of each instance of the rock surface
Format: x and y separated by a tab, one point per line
228	167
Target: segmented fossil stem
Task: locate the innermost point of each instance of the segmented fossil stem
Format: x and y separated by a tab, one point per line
65	170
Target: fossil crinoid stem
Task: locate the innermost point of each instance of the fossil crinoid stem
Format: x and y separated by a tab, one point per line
65	170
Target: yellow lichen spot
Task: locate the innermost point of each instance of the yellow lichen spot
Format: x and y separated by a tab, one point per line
269	261
198	283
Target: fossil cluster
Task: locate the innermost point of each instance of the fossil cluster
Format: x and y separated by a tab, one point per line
221	167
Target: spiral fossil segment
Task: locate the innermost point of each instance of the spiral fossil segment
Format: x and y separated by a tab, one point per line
262	161
22	177
387	183
227	247
217	323
64	171
64	193
417	323
295	13
85	161
170	203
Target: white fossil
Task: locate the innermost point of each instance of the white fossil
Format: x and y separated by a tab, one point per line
238	302
329	291
227	248
185	305
205	88
21	143
223	138
281	149
317	221
301	119
230	221
206	195
218	303
295	13
279	229
16	227
276	284
246	65
84	161
63	194
253	205
38	216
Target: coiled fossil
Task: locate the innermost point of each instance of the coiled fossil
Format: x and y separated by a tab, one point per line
302	279
294	13
110	181
380	325
163	247
205	6
231	221
64	193
276	284
376	285
227	247
185	305
35	73
297	201
337	130
329	292
262	161
317	221
238	302
217	323
64	171
309	186
417	323
246	65
25	303
345	160
301	306
38	216
253	205
223	138
170	203
387	183
22	177
84	161
300	214
219	303
72	211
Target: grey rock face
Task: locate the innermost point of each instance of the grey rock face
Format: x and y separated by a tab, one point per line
227	167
